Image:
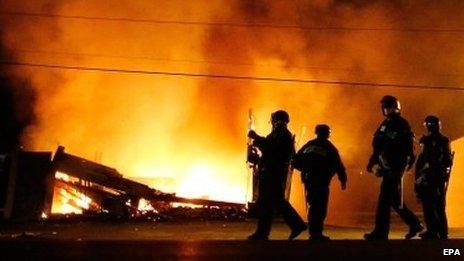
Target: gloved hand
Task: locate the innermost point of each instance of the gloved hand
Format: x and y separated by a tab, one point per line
252	134
370	167
371	164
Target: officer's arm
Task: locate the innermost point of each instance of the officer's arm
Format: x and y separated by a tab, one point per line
302	149
447	160
297	158
340	168
374	159
410	146
259	142
420	161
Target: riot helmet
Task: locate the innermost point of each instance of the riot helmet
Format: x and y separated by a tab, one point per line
432	123
280	118
390	105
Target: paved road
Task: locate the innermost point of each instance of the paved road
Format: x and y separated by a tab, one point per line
204	240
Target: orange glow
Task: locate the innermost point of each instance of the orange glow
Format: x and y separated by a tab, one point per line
62	176
188	135
455	197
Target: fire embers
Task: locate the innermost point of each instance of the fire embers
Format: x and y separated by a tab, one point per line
84	188
71	202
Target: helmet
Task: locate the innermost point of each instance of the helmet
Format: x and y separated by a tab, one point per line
322	130
280	116
432	123
390	105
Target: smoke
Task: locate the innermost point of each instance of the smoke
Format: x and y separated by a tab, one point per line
403	55
177	129
16	106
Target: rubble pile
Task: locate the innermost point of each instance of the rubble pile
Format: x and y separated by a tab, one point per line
74	188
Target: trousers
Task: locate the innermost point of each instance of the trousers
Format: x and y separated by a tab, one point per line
271	198
390	197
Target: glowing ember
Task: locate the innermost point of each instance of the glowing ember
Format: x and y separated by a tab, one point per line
67	199
145	206
62	176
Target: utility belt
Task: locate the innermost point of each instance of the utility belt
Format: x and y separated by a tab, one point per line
386	169
430	181
431	175
424	189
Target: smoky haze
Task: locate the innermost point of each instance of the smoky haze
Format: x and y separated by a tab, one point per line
167	128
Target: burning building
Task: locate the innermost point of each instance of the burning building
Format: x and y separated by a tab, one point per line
38	186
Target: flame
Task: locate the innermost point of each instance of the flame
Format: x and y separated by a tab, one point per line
62	176
66	199
211	182
190	131
208	179
145	206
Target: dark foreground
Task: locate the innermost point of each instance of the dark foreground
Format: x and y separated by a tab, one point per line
205	240
230	250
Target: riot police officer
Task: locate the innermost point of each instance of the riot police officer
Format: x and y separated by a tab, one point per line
318	160
393	151
432	175
277	150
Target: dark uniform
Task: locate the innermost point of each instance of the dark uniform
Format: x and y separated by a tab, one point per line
277	150
318	160
393	151
432	175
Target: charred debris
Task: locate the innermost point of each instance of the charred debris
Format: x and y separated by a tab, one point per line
35	185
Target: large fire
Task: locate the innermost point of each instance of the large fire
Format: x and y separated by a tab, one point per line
188	135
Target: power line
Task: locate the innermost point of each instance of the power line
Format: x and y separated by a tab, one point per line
232	77
218	62
233	24
194	61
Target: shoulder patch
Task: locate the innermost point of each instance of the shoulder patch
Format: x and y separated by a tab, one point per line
315	149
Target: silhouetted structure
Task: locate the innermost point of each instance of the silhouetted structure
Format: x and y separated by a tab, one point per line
31	181
432	175
277	150
318	160
393	151
25	174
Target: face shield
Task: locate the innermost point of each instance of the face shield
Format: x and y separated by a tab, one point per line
432	127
